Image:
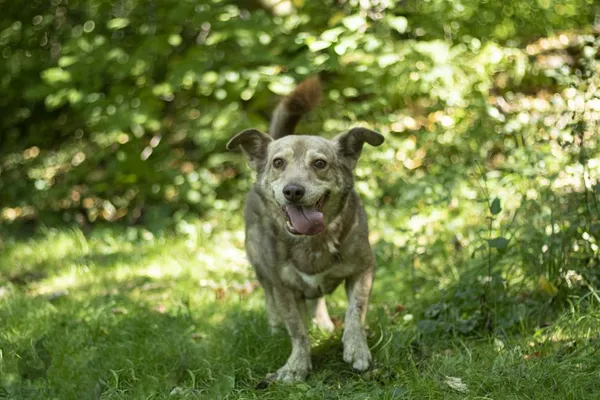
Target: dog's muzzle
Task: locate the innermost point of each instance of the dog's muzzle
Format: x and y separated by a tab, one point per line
305	219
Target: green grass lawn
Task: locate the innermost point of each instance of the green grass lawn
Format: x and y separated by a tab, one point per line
483	203
124	314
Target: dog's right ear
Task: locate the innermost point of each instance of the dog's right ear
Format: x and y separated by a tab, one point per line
351	143
253	143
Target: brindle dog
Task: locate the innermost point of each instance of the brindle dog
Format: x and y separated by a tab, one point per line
306	229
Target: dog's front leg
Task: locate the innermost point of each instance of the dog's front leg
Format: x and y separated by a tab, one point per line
356	350
298	364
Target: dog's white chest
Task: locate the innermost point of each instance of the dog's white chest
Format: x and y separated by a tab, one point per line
311	285
314	281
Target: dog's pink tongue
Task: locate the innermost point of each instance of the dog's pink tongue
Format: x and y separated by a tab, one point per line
305	220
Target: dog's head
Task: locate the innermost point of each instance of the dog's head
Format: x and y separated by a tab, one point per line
305	176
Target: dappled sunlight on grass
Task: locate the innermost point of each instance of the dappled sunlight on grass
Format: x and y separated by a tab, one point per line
148	284
146	309
64	260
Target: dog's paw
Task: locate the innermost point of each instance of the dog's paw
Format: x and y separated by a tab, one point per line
295	369
356	351
324	324
290	373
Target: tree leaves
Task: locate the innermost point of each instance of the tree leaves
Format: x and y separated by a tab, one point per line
172	68
498	243
400	24
117	23
56	75
495	207
354	22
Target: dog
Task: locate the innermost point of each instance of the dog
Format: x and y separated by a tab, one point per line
306	229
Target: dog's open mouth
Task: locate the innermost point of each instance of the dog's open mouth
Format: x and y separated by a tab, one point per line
305	220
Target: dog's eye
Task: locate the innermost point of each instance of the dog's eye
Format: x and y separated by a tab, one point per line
278	163
320	164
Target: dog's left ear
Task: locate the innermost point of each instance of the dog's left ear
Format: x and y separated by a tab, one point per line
254	144
351	143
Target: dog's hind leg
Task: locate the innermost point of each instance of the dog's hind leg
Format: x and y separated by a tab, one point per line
320	316
356	349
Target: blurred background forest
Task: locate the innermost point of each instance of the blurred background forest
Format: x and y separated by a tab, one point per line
484	201
118	112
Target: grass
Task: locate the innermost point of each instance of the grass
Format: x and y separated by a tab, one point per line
125	314
485	212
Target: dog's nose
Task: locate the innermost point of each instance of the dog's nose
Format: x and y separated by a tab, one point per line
293	192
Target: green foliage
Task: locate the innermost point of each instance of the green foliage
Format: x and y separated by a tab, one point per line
121	110
484	202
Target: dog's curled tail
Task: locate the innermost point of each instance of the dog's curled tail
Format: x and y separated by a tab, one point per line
290	109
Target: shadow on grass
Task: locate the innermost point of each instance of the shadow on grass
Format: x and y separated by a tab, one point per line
23	273
115	344
87	346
